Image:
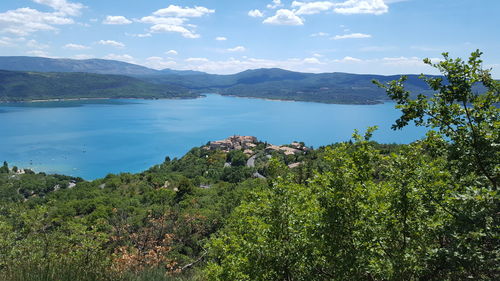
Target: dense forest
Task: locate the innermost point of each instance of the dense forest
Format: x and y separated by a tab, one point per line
355	210
25	86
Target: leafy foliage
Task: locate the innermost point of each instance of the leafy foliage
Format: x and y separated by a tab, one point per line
427	211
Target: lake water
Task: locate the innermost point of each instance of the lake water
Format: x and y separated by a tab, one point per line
93	138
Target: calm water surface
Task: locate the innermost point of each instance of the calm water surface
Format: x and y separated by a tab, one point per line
93	138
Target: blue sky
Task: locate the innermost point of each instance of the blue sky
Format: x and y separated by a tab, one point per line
227	36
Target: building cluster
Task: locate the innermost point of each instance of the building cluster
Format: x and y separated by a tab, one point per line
247	143
234	143
292	149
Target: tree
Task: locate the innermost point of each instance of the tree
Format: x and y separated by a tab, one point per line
464	111
269	237
184	188
237	158
471	121
5	168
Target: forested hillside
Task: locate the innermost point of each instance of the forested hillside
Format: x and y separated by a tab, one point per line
273	83
340	88
98	66
22	86
242	209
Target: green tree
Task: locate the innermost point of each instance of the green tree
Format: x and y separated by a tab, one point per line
464	111
469	119
269	237
5	168
184	187
237	158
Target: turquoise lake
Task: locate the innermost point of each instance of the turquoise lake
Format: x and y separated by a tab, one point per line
93	138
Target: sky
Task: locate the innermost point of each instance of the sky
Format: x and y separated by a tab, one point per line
228	36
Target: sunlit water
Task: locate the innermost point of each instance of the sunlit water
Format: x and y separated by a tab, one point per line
93	138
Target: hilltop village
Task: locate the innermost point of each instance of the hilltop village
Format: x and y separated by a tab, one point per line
255	149
249	144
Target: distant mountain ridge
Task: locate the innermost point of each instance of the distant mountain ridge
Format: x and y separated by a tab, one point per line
271	83
26	86
275	83
98	66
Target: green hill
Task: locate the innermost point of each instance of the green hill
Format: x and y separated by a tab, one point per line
277	83
273	83
99	66
21	86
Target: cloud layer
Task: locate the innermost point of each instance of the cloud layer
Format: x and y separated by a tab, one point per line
118	20
352	36
294	15
174	19
284	17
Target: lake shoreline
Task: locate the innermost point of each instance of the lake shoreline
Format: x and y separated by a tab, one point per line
187	98
91	99
292	100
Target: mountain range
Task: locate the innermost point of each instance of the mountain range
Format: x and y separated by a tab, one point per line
273	83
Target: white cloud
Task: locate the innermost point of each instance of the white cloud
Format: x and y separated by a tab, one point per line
394	1
197	60
352	36
38	53
159	63
33	44
233	65
183	12
349	59
143	35
10	42
174	19
255	13
160	28
170	24
162	20
172	52
236	49
118	20
275	4
154	58
112	43
124	57
406	61
311	8
24	21
312	61
350	7
220	38
62	6
73	46
284	17
83	56
320	34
